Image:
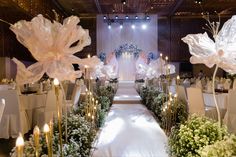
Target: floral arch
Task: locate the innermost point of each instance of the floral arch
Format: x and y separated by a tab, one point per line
128	48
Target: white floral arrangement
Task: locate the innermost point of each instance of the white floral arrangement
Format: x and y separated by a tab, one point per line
192	136
223	148
80	138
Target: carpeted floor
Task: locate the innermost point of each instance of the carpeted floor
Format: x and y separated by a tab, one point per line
130	130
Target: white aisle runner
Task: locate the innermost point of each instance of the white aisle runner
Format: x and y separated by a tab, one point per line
130	130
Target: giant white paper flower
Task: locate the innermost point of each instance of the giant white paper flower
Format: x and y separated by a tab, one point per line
222	51
52	44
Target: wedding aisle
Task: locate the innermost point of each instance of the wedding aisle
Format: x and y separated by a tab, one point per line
130	130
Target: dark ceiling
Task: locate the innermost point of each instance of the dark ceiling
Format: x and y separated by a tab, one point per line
89	8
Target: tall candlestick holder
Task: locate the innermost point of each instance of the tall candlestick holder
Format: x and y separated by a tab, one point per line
56	84
46	130
36	134
20	145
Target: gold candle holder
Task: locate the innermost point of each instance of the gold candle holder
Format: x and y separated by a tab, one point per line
46	131
20	145
36	134
56	84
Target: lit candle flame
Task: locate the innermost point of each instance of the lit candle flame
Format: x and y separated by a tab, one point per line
89	56
19	141
36	130
166	58
3	101
56	82
46	128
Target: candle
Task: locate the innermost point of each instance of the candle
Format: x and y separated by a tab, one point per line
175	97
46	130
166	58
56	83
3	102
85	71
178	78
51	128
89	56
36	133
20	145
161	55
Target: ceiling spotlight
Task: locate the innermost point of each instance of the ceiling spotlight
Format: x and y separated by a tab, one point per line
147	17
198	1
123	1
116	17
126	17
133	26
104	17
136	17
144	26
121	26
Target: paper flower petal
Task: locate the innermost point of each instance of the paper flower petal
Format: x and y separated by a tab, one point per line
52	45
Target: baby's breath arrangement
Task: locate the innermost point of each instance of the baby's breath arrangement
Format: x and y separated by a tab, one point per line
193	135
223	148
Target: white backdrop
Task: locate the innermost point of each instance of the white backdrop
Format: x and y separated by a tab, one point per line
110	39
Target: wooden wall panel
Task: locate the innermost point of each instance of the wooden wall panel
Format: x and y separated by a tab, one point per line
171	30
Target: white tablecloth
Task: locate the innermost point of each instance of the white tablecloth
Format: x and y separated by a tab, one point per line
30	102
221	98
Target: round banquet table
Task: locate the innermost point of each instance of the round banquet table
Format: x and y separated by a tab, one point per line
32	101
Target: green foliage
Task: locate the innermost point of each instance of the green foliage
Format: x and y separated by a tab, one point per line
105	102
196	133
175	114
223	148
101	115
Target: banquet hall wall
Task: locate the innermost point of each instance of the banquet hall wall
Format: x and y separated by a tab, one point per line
170	31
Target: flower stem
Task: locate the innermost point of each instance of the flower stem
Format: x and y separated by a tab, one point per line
214	96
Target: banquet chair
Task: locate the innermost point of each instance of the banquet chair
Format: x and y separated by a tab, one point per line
234	84
14	118
46	114
230	117
73	102
181	92
2	106
196	104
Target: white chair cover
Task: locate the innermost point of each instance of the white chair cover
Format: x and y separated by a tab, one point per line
2	106
75	97
198	84
14	119
196	104
180	90
227	84
230	117
234	84
47	113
